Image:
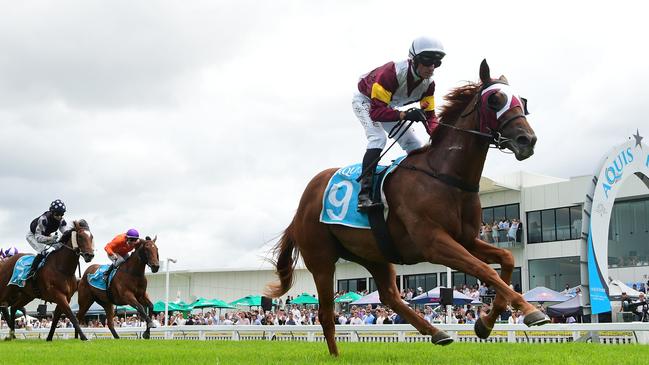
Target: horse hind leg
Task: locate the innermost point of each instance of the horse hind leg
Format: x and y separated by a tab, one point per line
385	278
320	258
323	278
110	315
7	317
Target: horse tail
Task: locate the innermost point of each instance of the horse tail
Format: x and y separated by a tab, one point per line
285	256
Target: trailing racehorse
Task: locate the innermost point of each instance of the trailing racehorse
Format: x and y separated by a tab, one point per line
54	282
434	215
127	287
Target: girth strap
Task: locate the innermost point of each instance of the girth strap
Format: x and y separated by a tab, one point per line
447	179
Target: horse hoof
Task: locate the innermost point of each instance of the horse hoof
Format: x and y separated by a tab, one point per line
536	318
146	335
441	338
481	329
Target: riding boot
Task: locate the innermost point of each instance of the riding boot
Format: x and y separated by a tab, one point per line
37	260
108	271
370	160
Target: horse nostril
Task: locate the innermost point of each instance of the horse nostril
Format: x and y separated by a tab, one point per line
522	141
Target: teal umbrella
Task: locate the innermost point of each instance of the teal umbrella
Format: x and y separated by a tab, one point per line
305	298
159	306
248	301
203	303
348	297
221	304
125	309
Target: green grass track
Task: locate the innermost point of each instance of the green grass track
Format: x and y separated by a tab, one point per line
175	352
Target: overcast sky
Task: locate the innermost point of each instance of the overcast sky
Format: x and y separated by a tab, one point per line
202	121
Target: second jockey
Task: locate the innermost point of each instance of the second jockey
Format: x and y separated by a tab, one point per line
386	88
41	229
119	248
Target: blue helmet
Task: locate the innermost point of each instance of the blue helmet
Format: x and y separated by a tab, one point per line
57	206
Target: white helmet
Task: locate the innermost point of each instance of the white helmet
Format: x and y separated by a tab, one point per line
427	49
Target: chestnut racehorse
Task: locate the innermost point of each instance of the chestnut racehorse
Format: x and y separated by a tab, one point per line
127	287
434	216
55	282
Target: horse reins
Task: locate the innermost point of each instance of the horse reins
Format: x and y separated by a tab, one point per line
496	138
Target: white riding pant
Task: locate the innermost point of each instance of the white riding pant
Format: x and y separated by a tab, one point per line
117	259
38	246
376	131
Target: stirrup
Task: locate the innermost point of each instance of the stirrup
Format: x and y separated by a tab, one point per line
367	205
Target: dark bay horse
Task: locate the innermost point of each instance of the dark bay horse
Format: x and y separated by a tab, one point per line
127	287
435	212
55	282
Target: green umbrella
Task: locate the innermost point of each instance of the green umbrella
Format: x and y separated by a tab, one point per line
305	298
159	306
218	303
203	303
126	309
248	301
348	298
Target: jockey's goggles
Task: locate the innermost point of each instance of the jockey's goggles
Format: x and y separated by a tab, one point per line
430	59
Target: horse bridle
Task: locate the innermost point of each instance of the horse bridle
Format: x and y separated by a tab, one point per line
496	138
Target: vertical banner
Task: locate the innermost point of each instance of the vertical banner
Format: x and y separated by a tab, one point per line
628	159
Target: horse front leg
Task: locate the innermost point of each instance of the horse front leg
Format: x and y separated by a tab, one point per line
438	247
491	254
63	307
55	320
132	301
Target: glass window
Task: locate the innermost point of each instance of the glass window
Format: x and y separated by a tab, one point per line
554	273
533	227
575	222
372	285
563	224
499	213
342	286
512	211
629	234
488	215
548	226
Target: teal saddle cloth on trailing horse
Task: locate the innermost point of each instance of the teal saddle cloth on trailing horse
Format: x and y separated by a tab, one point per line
21	269
341	195
97	279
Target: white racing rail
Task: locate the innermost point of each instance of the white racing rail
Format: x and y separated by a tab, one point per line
609	333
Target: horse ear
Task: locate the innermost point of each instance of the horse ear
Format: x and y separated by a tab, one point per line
485	76
155	238
503	79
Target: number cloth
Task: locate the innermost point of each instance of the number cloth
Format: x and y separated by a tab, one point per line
341	196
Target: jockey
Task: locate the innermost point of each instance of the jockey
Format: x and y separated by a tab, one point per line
10	252
387	87
40	232
119	248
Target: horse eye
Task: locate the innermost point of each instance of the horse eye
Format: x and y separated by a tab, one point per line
496	101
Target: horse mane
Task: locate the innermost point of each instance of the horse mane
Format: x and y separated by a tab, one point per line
456	102
66	235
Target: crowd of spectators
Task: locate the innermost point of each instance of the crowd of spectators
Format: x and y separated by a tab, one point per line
504	230
292	314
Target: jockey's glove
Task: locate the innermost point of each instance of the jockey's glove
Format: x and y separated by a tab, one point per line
415	115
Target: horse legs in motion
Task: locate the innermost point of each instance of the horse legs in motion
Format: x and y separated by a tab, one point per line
62	307
491	254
